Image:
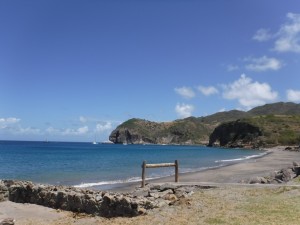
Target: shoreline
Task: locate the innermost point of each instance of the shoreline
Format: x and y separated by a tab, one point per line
275	159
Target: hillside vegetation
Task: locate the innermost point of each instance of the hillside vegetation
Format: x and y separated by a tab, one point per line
274	124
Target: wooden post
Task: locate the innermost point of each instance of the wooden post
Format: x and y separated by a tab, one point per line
143	173
144	166
176	171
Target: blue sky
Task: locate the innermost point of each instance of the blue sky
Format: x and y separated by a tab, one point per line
73	70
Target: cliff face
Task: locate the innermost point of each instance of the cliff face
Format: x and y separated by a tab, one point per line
235	134
129	136
137	131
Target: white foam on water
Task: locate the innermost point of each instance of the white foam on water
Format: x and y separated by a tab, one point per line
130	180
243	158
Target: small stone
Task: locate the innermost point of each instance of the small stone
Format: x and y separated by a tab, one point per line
167	187
98	198
7	221
142	211
171	197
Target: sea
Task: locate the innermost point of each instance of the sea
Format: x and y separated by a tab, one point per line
105	165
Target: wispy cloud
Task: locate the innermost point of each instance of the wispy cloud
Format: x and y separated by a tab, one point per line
288	36
231	67
12	125
293	95
184	110
185	92
262	35
4	122
78	131
263	63
68	131
210	90
83	119
249	93
104	126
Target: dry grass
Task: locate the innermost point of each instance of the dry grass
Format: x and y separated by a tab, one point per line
228	205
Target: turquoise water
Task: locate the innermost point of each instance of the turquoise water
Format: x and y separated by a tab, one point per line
86	165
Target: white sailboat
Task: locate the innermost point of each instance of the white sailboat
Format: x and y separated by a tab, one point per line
95	142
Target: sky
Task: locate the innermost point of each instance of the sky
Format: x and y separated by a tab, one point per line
74	70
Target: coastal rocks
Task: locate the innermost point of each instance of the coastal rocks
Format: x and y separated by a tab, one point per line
72	199
235	134
282	176
94	202
3	191
292	149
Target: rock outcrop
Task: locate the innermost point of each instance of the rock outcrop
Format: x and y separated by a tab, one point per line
235	134
98	203
277	177
136	131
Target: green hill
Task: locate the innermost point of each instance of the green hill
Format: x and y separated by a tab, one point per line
275	124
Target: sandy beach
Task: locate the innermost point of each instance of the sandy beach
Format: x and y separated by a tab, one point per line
275	160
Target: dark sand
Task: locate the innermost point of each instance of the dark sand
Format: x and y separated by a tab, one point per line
263	166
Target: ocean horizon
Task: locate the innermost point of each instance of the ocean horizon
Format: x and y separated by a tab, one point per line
83	164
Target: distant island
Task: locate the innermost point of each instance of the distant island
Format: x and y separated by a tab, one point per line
264	126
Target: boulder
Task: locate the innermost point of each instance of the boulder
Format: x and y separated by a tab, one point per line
258	180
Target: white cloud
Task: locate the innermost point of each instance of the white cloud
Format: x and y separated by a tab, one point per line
4	122
78	131
106	126
27	130
293	95
210	90
263	63
185	92
262	35
249	93
222	110
11	125
52	130
231	67
288	36
184	110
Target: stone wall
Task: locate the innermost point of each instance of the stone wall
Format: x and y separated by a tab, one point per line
99	203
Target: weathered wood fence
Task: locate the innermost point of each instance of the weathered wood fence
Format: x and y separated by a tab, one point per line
145	165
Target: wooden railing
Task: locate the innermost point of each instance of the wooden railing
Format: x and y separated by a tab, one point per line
144	166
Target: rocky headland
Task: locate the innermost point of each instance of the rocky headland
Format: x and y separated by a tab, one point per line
264	126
